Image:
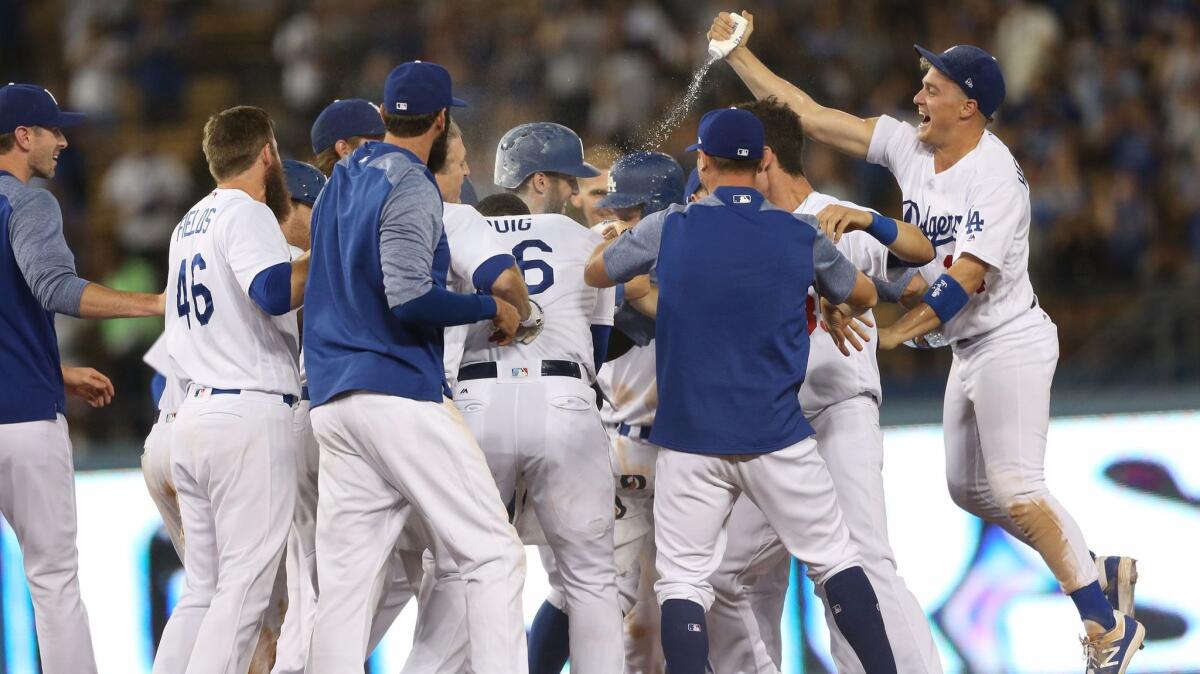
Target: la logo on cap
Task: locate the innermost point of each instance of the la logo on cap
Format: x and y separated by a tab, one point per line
612	184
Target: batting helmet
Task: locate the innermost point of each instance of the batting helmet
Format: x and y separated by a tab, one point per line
304	181
652	179
539	146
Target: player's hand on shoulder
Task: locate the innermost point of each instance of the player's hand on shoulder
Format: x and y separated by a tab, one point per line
836	219
722	28
531	327
506	321
89	384
841	324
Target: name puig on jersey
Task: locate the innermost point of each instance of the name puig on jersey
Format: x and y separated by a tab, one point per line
512	224
197	221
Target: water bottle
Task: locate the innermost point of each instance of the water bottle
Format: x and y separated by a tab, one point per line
719	49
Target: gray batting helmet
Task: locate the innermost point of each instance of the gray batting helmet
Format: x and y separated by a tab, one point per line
539	146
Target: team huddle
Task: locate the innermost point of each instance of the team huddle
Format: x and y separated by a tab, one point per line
376	393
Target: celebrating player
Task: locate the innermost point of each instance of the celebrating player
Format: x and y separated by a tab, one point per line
840	397
592	190
37	281
233	284
373	350
541	162
972	200
728	419
341	127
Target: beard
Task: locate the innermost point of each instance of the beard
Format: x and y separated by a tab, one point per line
439	149
277	197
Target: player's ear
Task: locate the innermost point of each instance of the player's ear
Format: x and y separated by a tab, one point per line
968	109
767	161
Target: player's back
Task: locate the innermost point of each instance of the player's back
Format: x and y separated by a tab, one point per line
552	251
218	335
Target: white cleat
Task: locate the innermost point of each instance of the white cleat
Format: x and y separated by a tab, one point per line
1111	652
1118	576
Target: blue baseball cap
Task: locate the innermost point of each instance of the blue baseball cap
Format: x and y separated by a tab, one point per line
343	119
31	105
304	181
418	88
974	70
731	133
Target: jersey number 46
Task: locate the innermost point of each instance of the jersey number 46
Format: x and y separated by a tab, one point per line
200	293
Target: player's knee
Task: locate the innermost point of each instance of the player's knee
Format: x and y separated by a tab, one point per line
967	496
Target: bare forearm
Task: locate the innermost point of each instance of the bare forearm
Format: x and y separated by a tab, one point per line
911	298
846	132
299	279
911	244
99	301
510	287
647	304
915	323
595	274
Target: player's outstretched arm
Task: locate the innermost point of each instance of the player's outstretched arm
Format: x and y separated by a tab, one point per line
942	301
841	130
904	239
595	273
99	301
299	279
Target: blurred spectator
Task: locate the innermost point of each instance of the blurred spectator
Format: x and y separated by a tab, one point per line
96	84
148	189
159	40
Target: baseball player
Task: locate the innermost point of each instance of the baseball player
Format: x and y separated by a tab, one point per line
592	190
840	397
969	195
729	421
156	451
340	128
534	412
233	285
37	281
541	162
373	351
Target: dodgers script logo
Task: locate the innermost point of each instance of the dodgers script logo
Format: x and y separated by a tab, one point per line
939	229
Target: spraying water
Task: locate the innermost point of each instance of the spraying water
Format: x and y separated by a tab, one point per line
660	132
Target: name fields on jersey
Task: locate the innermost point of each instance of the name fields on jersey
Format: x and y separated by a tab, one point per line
197	221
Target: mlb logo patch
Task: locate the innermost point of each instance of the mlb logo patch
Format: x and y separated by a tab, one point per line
694	627
520	372
402	106
743	152
741	198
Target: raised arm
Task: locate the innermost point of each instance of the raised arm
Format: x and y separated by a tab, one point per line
841	130
904	239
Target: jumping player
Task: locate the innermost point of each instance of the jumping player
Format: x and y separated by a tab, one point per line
970	196
37	281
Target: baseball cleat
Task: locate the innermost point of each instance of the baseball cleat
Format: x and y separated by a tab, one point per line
1118	576
1111	652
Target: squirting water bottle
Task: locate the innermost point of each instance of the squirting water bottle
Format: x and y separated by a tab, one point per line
719	49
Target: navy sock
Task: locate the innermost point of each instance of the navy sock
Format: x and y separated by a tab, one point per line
1094	606
856	612
684	637
549	640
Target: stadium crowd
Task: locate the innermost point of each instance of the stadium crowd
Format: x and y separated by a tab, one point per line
1103	111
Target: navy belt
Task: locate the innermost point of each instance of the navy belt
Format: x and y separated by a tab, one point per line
639	432
550	368
287	398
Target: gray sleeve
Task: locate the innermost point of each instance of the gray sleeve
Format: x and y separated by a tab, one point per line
635	252
835	274
409	228
36	236
892	288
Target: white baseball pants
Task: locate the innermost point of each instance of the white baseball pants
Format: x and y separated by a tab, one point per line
753	577
695	494
156	471
995	417
546	432
379	453
232	460
300	558
37	497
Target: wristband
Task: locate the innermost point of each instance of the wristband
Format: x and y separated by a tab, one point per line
883	228
946	297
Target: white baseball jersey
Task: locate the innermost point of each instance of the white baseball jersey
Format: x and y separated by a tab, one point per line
980	205
832	377
551	251
631	384
159	358
472	242
216	334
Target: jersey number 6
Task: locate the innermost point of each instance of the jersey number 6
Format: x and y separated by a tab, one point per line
199	292
540	265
